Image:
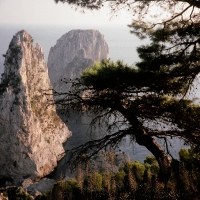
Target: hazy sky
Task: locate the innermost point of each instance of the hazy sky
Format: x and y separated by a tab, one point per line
48	12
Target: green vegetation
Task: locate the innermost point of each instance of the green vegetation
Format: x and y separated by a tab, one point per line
150	101
134	181
109	73
68	189
133	101
18	194
154	91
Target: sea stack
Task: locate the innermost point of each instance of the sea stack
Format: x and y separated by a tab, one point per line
74	52
31	133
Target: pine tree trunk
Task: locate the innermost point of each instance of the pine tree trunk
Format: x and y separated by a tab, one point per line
161	157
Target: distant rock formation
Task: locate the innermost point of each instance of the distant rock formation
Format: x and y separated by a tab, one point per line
73	52
31	134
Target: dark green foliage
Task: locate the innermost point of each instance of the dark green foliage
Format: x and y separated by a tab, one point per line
108	74
120	178
127	101
150	100
151	165
141	10
118	76
189	157
139	95
191	161
19	194
93	182
133	181
68	189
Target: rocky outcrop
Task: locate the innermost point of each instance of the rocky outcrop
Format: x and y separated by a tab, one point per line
2	197
31	133
73	52
40	187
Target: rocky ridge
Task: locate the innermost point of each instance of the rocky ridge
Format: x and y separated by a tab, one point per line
73	52
31	134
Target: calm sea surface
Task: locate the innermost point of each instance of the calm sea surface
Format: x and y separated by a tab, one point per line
122	46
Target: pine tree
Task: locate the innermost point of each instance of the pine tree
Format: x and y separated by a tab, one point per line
150	100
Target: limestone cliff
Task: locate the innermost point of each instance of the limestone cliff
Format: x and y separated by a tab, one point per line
31	133
73	52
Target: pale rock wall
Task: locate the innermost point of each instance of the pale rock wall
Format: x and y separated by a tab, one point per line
74	52
31	133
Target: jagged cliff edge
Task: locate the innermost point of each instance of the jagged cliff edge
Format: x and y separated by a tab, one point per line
31	134
74	52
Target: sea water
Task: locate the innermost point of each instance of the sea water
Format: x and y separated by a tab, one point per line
122	46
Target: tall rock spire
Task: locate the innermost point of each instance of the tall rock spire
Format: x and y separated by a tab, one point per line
31	133
73	52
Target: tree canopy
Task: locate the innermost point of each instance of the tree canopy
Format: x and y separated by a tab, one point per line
129	101
155	91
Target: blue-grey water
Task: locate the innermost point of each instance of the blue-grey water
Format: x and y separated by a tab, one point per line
80	127
122	46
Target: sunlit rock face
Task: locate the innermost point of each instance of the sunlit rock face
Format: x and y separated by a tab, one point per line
31	133
73	52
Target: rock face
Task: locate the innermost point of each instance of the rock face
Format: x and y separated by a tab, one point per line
40	187
31	134
2	197
73	52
